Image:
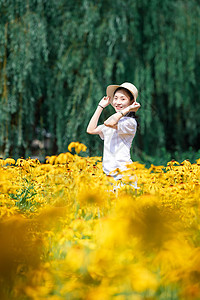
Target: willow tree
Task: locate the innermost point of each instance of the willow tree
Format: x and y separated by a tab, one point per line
57	57
24	57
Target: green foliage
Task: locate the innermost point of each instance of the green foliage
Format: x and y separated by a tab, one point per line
24	198
57	57
164	157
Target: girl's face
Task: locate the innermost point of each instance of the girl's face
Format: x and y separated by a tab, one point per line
121	100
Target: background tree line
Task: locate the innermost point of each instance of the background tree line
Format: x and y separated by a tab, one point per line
58	56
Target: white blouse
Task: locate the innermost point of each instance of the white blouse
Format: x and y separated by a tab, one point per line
117	144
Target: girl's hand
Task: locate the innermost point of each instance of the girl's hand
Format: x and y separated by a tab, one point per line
134	107
105	101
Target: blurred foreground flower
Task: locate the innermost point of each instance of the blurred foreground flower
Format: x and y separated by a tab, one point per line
20	251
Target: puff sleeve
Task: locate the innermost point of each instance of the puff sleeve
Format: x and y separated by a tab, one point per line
127	126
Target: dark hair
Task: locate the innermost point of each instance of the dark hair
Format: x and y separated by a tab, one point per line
127	91
131	114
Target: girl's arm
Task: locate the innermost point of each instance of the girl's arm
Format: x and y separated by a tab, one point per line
114	119
92	126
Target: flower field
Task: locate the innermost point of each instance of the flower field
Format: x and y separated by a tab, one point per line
68	232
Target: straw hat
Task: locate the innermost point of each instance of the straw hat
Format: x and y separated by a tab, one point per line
129	86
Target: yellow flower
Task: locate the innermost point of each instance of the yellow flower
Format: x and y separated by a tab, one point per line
198	161
77	146
60	159
51	159
9	161
156	169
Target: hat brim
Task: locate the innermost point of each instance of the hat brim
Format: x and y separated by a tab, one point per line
112	88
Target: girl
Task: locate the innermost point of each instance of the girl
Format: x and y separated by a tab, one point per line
119	129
